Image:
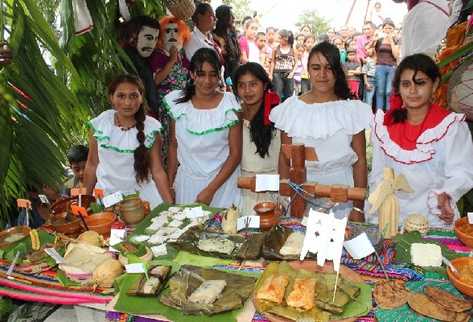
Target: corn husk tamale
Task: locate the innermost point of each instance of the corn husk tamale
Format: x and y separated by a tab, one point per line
237	290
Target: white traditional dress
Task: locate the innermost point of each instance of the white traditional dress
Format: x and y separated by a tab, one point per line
115	171
328	128
203	148
439	160
252	163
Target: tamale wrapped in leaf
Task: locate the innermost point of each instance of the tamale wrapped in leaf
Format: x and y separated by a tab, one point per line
274	241
189	278
197	241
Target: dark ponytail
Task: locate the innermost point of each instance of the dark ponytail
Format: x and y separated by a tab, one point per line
416	62
141	154
201	56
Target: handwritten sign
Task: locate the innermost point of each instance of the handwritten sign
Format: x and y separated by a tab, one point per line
23	203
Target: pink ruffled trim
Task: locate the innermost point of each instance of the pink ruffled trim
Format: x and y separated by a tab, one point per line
424	150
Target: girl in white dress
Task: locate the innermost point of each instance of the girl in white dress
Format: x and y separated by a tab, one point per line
205	137
261	141
325	119
124	146
429	145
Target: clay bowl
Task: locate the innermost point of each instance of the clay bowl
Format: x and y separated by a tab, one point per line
467	239
132	211
269	214
101	222
16	233
461	285
64	204
70	226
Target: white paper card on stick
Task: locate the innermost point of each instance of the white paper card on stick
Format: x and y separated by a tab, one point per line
470	218
135	268
314	229
54	255
267	182
359	247
44	199
332	247
116	237
248	222
112	199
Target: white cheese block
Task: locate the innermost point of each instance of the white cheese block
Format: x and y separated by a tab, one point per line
426	255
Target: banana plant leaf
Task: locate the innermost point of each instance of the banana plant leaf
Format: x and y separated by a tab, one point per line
351	300
244	248
403	244
237	290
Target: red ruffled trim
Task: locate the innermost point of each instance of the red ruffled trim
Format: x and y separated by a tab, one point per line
398	131
271	99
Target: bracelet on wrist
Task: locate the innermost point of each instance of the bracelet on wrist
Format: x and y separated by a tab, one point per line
358	210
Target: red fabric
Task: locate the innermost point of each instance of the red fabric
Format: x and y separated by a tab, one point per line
411	4
244	46
270	99
405	135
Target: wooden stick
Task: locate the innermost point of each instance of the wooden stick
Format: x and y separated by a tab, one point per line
335	288
381	264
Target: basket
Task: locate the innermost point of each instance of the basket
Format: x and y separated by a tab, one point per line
416	222
181	9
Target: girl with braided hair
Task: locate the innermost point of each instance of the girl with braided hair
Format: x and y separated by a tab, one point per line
124	146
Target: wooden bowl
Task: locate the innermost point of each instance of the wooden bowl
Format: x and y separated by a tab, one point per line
467	239
101	222
462	286
70	228
269	213
19	231
64	204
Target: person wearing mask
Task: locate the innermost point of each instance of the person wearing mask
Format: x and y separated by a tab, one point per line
387	52
282	65
327	120
204	22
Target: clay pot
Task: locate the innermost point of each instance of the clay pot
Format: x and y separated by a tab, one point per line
67	225
269	214
132	210
64	204
101	222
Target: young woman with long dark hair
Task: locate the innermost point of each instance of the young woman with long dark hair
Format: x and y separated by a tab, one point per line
261	141
324	118
125	146
205	147
428	144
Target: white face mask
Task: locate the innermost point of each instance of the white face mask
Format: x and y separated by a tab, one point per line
147	39
171	37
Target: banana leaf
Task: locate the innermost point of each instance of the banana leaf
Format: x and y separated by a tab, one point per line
189	278
352	299
244	248
403	244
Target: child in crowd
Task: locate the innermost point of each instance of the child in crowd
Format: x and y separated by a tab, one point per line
353	71
298	69
369	71
309	42
77	158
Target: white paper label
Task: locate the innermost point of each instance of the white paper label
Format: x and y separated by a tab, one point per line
135	268
112	199
267	182
470	218
43	199
116	237
193	213
248	222
359	247
55	255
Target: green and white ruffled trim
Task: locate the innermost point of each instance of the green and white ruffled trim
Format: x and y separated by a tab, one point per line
103	140
226	125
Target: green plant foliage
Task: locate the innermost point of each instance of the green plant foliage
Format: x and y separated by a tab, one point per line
318	24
